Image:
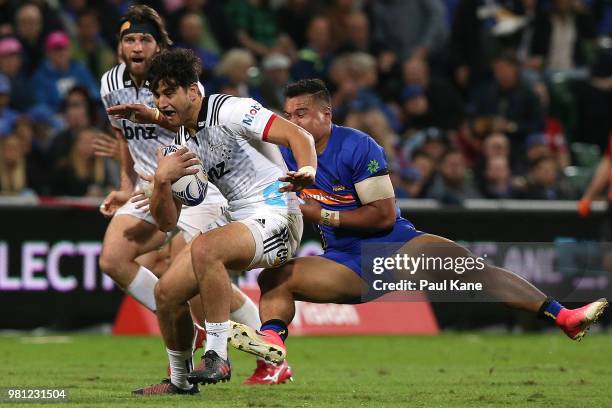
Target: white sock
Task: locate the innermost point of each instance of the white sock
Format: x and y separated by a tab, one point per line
142	288
181	363
216	337
247	314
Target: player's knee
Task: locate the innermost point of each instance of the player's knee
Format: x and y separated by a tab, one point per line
203	252
163	296
109	264
269	279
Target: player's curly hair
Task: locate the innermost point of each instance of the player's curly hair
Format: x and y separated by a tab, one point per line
141	13
178	67
314	87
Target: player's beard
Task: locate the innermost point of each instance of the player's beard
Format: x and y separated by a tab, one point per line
139	70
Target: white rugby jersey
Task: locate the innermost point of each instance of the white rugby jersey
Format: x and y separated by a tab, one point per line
143	139
226	128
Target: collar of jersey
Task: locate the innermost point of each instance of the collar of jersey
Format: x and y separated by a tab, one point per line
128	82
202	114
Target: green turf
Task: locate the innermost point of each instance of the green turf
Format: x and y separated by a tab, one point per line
443	371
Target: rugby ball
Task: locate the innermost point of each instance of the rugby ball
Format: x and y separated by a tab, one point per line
190	189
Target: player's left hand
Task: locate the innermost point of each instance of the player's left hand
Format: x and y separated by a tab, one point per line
311	210
296	181
134	112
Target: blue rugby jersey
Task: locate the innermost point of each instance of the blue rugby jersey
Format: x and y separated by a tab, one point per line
350	156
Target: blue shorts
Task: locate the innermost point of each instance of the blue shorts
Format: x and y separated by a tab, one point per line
351	257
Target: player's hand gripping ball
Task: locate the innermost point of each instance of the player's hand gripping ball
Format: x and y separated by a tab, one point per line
190	189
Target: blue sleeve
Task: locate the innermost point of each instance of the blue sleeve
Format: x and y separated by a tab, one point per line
368	159
288	158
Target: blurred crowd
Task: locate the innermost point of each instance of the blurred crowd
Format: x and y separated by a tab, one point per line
469	98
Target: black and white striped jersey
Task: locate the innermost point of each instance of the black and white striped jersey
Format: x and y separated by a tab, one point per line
117	87
227	131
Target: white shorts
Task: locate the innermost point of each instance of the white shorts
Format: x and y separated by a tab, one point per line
277	236
192	221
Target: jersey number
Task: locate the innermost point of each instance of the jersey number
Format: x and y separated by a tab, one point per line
138	132
217	172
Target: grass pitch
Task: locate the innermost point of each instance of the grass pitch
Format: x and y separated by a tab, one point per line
450	370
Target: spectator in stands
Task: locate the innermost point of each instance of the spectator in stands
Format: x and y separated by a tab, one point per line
78	111
426	166
508	104
7	115
59	73
561	36
498	179
13	167
44	126
81	173
445	105
69	12
409	184
275	79
409	28
11	66
256	27
315	59
191	32
293	19
474	39
545	182
358	36
453	185
602	14
215	35
593	101
29	29
415	110
233	74
432	141
89	48
496	145
356	76
338	14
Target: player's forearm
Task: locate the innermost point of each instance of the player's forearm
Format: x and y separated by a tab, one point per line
600	179
366	217
163	207
302	146
128	177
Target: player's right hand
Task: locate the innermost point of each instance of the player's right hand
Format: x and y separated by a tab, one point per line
113	201
174	166
584	207
134	112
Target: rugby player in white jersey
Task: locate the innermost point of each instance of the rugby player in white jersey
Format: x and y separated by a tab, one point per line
132	231
264	223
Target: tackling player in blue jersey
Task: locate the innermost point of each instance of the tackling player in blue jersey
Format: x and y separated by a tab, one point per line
353	204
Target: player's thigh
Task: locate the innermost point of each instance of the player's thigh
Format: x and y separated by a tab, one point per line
128	237
158	260
232	244
314	279
432	247
178	284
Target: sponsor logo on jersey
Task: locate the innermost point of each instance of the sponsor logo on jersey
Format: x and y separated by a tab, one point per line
250	115
138	132
328	198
